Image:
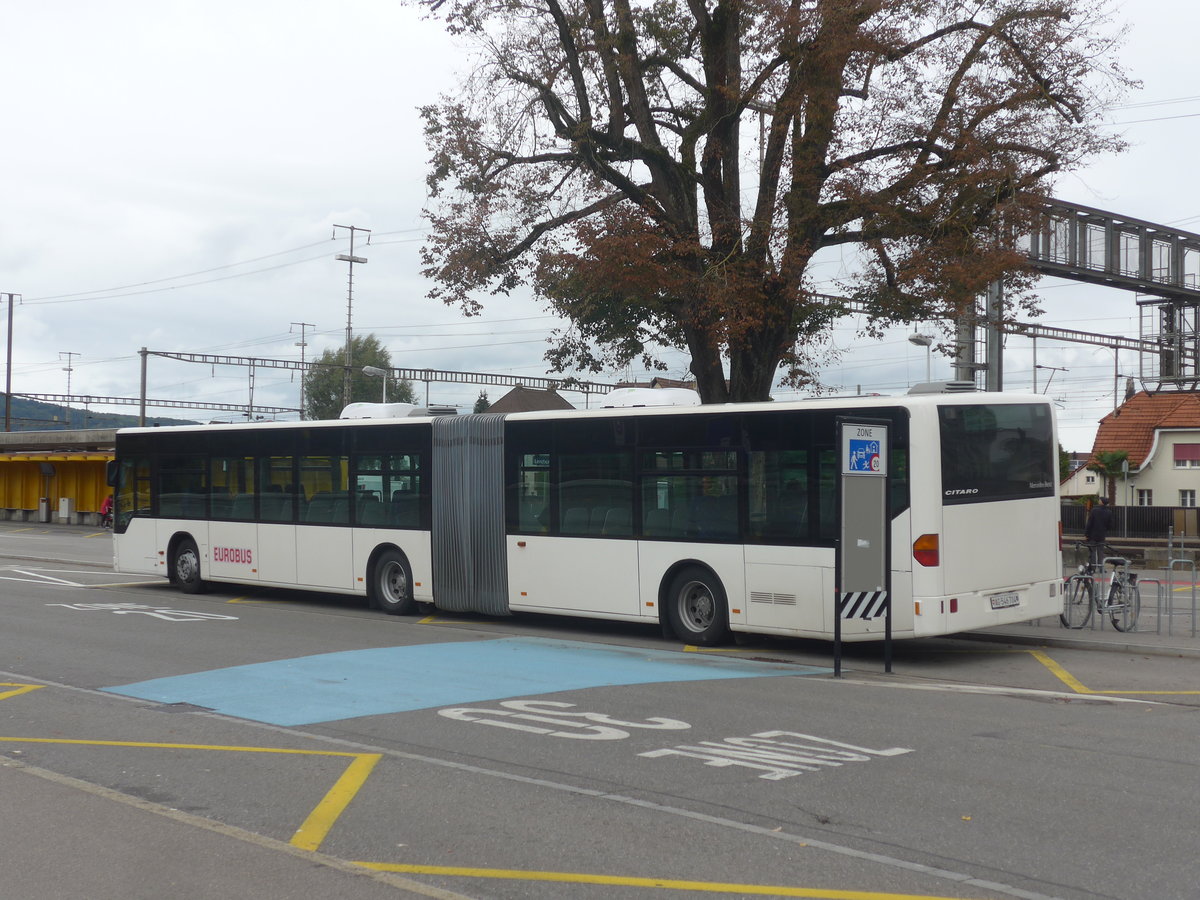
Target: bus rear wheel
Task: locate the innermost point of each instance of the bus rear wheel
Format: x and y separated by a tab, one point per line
391	584
186	567
697	608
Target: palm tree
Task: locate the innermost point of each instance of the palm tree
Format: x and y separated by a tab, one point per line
1109	465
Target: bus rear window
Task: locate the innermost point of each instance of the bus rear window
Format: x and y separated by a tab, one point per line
996	452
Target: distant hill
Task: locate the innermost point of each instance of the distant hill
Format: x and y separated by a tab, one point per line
34	415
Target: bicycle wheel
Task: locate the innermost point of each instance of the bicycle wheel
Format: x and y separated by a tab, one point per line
1125	602
1077	603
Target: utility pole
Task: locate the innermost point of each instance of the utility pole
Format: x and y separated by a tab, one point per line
351	259
144	353
12	299
68	369
302	343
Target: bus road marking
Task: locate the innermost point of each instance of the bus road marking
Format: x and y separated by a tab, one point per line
319	822
593	727
18	689
776	754
1078	686
666	884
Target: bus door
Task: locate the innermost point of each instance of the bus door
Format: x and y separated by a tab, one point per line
324	540
232	533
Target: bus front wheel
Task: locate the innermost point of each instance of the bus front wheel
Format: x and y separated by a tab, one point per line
186	566
697	608
391	585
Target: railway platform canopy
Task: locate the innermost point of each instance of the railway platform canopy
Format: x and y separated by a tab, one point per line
54	475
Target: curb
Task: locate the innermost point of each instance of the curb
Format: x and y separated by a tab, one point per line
1124	644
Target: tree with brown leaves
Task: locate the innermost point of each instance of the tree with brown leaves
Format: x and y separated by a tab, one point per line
663	173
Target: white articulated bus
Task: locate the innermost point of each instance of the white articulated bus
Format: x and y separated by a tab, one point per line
706	519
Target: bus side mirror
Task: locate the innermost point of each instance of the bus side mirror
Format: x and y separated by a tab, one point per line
110	473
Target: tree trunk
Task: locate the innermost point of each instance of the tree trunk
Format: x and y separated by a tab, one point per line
752	369
706	366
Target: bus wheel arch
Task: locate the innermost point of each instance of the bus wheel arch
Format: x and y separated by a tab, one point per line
389	581
694	604
183	564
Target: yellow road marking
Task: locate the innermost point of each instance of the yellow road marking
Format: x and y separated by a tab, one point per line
96	534
310	834
434	620
670	884
1078	687
692	648
319	822
19	689
1060	673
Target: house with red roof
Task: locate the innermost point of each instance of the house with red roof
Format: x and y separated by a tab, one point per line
1161	434
1080	481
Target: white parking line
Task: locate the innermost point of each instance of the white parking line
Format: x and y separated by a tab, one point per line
49	578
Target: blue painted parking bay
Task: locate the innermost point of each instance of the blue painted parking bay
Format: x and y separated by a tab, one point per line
345	685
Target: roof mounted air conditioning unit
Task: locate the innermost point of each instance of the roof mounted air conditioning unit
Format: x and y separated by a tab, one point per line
943	387
628	397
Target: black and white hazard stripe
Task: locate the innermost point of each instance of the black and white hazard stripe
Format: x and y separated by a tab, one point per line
863	604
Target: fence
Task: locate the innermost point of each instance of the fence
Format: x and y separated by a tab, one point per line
1136	521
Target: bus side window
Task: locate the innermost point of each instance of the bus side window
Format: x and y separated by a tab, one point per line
778	495
533	493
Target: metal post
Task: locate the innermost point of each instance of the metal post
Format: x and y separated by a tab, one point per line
1116	374
142	396
964	341
995	337
303	342
8	368
351	259
70	355
250	403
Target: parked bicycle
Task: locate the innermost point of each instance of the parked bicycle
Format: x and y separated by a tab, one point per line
1082	596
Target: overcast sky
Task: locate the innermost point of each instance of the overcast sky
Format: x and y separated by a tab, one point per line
173	172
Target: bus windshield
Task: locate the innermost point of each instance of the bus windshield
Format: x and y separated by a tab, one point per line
996	452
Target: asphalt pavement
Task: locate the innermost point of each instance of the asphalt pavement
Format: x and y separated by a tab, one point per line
67	839
124	847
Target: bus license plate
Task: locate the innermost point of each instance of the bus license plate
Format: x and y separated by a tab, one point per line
1004	601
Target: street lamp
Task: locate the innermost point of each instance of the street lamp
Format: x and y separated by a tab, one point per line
924	340
376	372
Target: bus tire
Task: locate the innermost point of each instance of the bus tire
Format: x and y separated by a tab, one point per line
697	609
185	567
391	584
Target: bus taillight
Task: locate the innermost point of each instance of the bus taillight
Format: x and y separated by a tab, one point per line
925	549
